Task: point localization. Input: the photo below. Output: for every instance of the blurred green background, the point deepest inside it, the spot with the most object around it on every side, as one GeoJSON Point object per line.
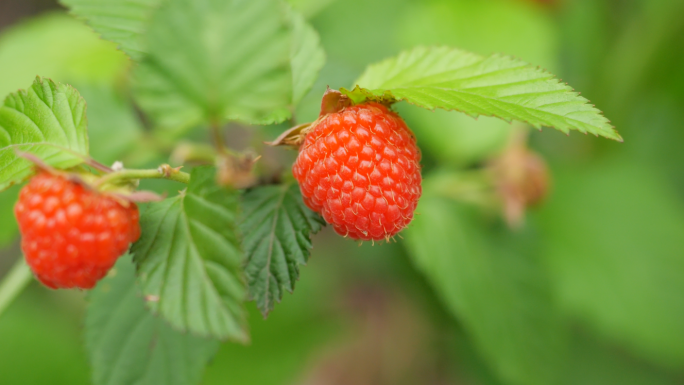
{"type": "Point", "coordinates": [589, 291]}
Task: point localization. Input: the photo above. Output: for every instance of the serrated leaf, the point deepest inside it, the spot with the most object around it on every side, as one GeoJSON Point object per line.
{"type": "Point", "coordinates": [492, 283]}
{"type": "Point", "coordinates": [496, 85]}
{"type": "Point", "coordinates": [212, 61]}
{"type": "Point", "coordinates": [123, 22]}
{"type": "Point", "coordinates": [47, 120]}
{"type": "Point", "coordinates": [128, 345]}
{"type": "Point", "coordinates": [277, 228]}
{"type": "Point", "coordinates": [190, 262]}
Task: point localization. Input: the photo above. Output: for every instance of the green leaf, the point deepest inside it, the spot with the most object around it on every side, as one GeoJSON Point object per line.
{"type": "Point", "coordinates": [189, 259]}
{"type": "Point", "coordinates": [47, 120]}
{"type": "Point", "coordinates": [613, 248]}
{"type": "Point", "coordinates": [490, 281]}
{"type": "Point", "coordinates": [123, 22]}
{"type": "Point", "coordinates": [212, 61]}
{"type": "Point", "coordinates": [306, 57]}
{"type": "Point", "coordinates": [128, 345]}
{"type": "Point", "coordinates": [496, 85]}
{"type": "Point", "coordinates": [277, 226]}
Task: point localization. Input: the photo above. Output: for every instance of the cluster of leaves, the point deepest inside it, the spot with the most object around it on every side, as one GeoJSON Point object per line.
{"type": "Point", "coordinates": [203, 252]}
{"type": "Point", "coordinates": [190, 260]}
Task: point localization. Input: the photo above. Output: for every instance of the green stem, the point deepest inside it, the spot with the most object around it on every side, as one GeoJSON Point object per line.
{"type": "Point", "coordinates": [163, 172]}
{"type": "Point", "coordinates": [14, 282]}
{"type": "Point", "coordinates": [475, 187]}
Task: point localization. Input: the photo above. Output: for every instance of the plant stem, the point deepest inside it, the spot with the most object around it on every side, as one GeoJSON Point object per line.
{"type": "Point", "coordinates": [163, 172]}
{"type": "Point", "coordinates": [13, 283]}
{"type": "Point", "coordinates": [474, 187]}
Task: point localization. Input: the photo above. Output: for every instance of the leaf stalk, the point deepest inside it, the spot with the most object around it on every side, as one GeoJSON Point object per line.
{"type": "Point", "coordinates": [163, 172]}
{"type": "Point", "coordinates": [14, 283]}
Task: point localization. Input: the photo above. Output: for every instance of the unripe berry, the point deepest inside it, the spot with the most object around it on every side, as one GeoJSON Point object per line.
{"type": "Point", "coordinates": [359, 168]}
{"type": "Point", "coordinates": [522, 179]}
{"type": "Point", "coordinates": [71, 235]}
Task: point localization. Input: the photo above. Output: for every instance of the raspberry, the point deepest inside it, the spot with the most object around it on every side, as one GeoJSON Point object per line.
{"type": "Point", "coordinates": [71, 235]}
{"type": "Point", "coordinates": [359, 168]}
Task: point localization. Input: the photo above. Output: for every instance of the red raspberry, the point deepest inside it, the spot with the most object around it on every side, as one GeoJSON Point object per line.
{"type": "Point", "coordinates": [71, 235]}
{"type": "Point", "coordinates": [359, 168]}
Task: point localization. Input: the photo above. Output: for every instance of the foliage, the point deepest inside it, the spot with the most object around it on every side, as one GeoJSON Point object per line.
{"type": "Point", "coordinates": [47, 120]}
{"type": "Point", "coordinates": [120, 22]}
{"type": "Point", "coordinates": [189, 259]}
{"type": "Point", "coordinates": [497, 85]}
{"type": "Point", "coordinates": [128, 345]}
{"type": "Point", "coordinates": [277, 227]}
{"type": "Point", "coordinates": [240, 60]}
{"type": "Point", "coordinates": [584, 292]}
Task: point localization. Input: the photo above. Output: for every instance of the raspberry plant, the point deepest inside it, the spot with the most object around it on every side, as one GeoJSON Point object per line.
{"type": "Point", "coordinates": [236, 231]}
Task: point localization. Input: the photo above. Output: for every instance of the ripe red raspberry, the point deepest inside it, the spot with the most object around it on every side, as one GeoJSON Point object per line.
{"type": "Point", "coordinates": [71, 235]}
{"type": "Point", "coordinates": [359, 168]}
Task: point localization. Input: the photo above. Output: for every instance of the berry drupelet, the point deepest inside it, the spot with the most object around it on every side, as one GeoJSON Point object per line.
{"type": "Point", "coordinates": [72, 235]}
{"type": "Point", "coordinates": [359, 167]}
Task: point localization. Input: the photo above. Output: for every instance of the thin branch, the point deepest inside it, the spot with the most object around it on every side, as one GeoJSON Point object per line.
{"type": "Point", "coordinates": [14, 283]}
{"type": "Point", "coordinates": [163, 172]}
